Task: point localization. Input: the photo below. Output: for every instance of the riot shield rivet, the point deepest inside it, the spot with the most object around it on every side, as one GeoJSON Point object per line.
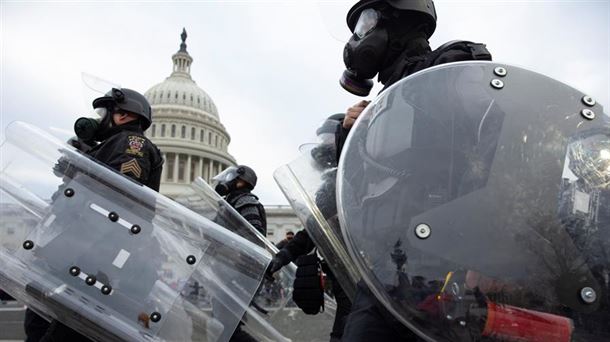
{"type": "Point", "coordinates": [588, 295]}
{"type": "Point", "coordinates": [28, 244]}
{"type": "Point", "coordinates": [191, 259]}
{"type": "Point", "coordinates": [588, 100]}
{"type": "Point", "coordinates": [113, 216]}
{"type": "Point", "coordinates": [588, 114]}
{"type": "Point", "coordinates": [90, 280]}
{"type": "Point", "coordinates": [135, 229]}
{"type": "Point", "coordinates": [106, 290]}
{"type": "Point", "coordinates": [423, 231]}
{"type": "Point", "coordinates": [74, 271]}
{"type": "Point", "coordinates": [69, 192]}
{"type": "Point", "coordinates": [496, 83]}
{"type": "Point", "coordinates": [155, 317]}
{"type": "Point", "coordinates": [500, 71]}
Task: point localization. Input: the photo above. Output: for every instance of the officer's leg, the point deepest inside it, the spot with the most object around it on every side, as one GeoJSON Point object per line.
{"type": "Point", "coordinates": [369, 322]}
{"type": "Point", "coordinates": [241, 336]}
{"type": "Point", "coordinates": [35, 326]}
{"type": "Point", "coordinates": [58, 332]}
{"type": "Point", "coordinates": [344, 306]}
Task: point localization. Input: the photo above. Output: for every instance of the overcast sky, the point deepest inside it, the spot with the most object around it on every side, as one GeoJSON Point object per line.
{"type": "Point", "coordinates": [271, 67]}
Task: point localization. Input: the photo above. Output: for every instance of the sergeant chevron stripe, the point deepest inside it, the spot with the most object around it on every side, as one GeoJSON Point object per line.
{"type": "Point", "coordinates": [132, 166]}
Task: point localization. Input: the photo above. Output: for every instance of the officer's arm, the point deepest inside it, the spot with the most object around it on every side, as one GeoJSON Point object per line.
{"type": "Point", "coordinates": [252, 214]}
{"type": "Point", "coordinates": [301, 244]}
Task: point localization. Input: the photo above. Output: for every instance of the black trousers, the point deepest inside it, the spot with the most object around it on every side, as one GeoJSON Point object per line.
{"type": "Point", "coordinates": [344, 306]}
{"type": "Point", "coordinates": [369, 321]}
{"type": "Point", "coordinates": [38, 329]}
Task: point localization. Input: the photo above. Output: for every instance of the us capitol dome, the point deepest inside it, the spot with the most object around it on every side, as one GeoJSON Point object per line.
{"type": "Point", "coordinates": [186, 128]}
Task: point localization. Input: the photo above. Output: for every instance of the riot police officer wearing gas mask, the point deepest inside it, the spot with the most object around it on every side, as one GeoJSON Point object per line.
{"type": "Point", "coordinates": [390, 40]}
{"type": "Point", "coordinates": [308, 289]}
{"type": "Point", "coordinates": [118, 137]}
{"type": "Point", "coordinates": [235, 184]}
{"type": "Point", "coordinates": [117, 140]}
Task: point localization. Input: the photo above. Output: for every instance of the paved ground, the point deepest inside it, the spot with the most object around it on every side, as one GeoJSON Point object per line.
{"type": "Point", "coordinates": [11, 321]}
{"type": "Point", "coordinates": [289, 322]}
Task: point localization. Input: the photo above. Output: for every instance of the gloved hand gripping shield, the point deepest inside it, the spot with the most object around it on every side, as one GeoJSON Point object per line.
{"type": "Point", "coordinates": [109, 257]}
{"type": "Point", "coordinates": [308, 183]}
{"type": "Point", "coordinates": [267, 318]}
{"type": "Point", "coordinates": [475, 201]}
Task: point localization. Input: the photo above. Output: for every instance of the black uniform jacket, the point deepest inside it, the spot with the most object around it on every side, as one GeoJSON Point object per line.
{"type": "Point", "coordinates": [129, 152]}
{"type": "Point", "coordinates": [248, 206]}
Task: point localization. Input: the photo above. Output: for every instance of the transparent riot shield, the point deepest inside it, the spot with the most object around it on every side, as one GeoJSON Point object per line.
{"type": "Point", "coordinates": [272, 316]}
{"type": "Point", "coordinates": [309, 186]}
{"type": "Point", "coordinates": [475, 199]}
{"type": "Point", "coordinates": [109, 257]}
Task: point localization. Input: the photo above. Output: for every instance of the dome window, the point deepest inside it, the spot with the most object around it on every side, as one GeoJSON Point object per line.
{"type": "Point", "coordinates": [192, 133]}
{"type": "Point", "coordinates": [183, 132]}
{"type": "Point", "coordinates": [173, 131]}
{"type": "Point", "coordinates": [184, 96]}
{"type": "Point", "coordinates": [152, 130]}
{"type": "Point", "coordinates": [201, 136]}
{"type": "Point", "coordinates": [198, 100]}
{"type": "Point", "coordinates": [163, 130]}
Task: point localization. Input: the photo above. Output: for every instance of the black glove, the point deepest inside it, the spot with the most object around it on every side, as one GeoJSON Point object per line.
{"type": "Point", "coordinates": [308, 291]}
{"type": "Point", "coordinates": [281, 259]}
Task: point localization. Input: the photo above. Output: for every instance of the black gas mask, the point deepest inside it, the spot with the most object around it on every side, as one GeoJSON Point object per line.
{"type": "Point", "coordinates": [365, 53]}
{"type": "Point", "coordinates": [94, 129]}
{"type": "Point", "coordinates": [226, 188]}
{"type": "Point", "coordinates": [227, 180]}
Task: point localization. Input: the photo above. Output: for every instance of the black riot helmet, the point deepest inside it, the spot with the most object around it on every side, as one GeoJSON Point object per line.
{"type": "Point", "coordinates": [325, 151]}
{"type": "Point", "coordinates": [423, 9]}
{"type": "Point", "coordinates": [227, 179]}
{"type": "Point", "coordinates": [127, 100]}
{"type": "Point", "coordinates": [382, 30]}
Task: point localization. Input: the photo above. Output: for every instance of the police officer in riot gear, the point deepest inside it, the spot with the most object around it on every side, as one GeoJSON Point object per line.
{"type": "Point", "coordinates": [118, 137]}
{"type": "Point", "coordinates": [235, 184]}
{"type": "Point", "coordinates": [390, 39]}
{"type": "Point", "coordinates": [117, 140]}
{"type": "Point", "coordinates": [308, 290]}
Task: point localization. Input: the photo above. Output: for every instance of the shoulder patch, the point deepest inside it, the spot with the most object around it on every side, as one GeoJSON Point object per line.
{"type": "Point", "coordinates": [136, 143]}
{"type": "Point", "coordinates": [245, 200]}
{"type": "Point", "coordinates": [132, 167]}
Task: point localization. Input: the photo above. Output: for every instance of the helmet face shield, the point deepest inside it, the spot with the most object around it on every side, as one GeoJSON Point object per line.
{"type": "Point", "coordinates": [227, 175]}
{"type": "Point", "coordinates": [100, 112]}
{"type": "Point", "coordinates": [469, 208]}
{"type": "Point", "coordinates": [368, 20]}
